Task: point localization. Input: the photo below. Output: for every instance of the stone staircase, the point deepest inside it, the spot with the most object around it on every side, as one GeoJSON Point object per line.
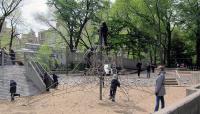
{"type": "Point", "coordinates": [25, 87]}
{"type": "Point", "coordinates": [171, 81]}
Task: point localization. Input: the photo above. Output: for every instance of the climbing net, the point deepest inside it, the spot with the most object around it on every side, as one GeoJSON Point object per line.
{"type": "Point", "coordinates": [90, 82]}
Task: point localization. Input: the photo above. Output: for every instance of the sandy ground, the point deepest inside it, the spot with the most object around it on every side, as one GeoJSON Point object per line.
{"type": "Point", "coordinates": [84, 99]}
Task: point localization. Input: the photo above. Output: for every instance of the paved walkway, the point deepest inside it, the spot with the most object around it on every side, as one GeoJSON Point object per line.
{"type": "Point", "coordinates": [13, 72]}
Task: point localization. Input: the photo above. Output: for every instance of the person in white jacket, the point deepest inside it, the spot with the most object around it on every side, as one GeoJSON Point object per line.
{"type": "Point", "coordinates": [160, 89]}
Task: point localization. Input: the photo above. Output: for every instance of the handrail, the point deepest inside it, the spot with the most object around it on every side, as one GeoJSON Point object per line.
{"type": "Point", "coordinates": [42, 71]}
{"type": "Point", "coordinates": [37, 69]}
{"type": "Point", "coordinates": [38, 81]}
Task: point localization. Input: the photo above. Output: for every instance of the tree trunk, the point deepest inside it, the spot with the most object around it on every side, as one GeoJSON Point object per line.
{"type": "Point", "coordinates": [150, 55]}
{"type": "Point", "coordinates": [71, 46]}
{"type": "Point", "coordinates": [11, 41]}
{"type": "Point", "coordinates": [155, 55]}
{"type": "Point", "coordinates": [1, 23]}
{"type": "Point", "coordinates": [164, 56]}
{"type": "Point", "coordinates": [169, 34]}
{"type": "Point", "coordinates": [11, 36]}
{"type": "Point", "coordinates": [159, 31]}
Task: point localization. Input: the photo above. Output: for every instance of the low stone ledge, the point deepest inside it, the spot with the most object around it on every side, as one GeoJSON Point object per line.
{"type": "Point", "coordinates": [192, 89]}
{"type": "Point", "coordinates": [189, 105]}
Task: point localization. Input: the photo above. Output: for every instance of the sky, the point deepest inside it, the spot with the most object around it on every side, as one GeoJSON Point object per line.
{"type": "Point", "coordinates": [29, 9]}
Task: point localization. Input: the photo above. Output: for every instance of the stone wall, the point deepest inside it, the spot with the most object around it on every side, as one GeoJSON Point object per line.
{"type": "Point", "coordinates": [189, 105]}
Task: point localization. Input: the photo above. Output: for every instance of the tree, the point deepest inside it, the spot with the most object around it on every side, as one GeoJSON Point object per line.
{"type": "Point", "coordinates": [14, 21]}
{"type": "Point", "coordinates": [182, 50]}
{"type": "Point", "coordinates": [190, 14]}
{"type": "Point", "coordinates": [161, 16]}
{"type": "Point", "coordinates": [74, 16]}
{"type": "Point", "coordinates": [44, 56]}
{"type": "Point", "coordinates": [7, 7]}
{"type": "Point", "coordinates": [129, 31]}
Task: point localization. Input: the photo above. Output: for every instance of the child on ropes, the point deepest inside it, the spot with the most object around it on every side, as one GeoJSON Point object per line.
{"type": "Point", "coordinates": [113, 88]}
{"type": "Point", "coordinates": [103, 34]}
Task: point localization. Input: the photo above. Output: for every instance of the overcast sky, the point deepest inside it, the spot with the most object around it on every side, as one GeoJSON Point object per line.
{"type": "Point", "coordinates": [29, 9]}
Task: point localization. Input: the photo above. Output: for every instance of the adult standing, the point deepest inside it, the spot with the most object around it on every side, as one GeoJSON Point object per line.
{"type": "Point", "coordinates": [139, 66]}
{"type": "Point", "coordinates": [148, 70]}
{"type": "Point", "coordinates": [160, 89]}
{"type": "Point", "coordinates": [55, 80]}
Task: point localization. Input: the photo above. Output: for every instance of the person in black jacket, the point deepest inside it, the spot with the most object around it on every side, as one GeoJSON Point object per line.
{"type": "Point", "coordinates": [13, 89]}
{"type": "Point", "coordinates": [148, 70]}
{"type": "Point", "coordinates": [139, 67]}
{"type": "Point", "coordinates": [55, 80]}
{"type": "Point", "coordinates": [46, 81]}
{"type": "Point", "coordinates": [113, 88]}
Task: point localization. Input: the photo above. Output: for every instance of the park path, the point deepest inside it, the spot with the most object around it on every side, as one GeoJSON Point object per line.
{"type": "Point", "coordinates": [14, 72]}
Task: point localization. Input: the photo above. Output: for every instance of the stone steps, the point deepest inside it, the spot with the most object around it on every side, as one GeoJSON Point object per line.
{"type": "Point", "coordinates": [13, 72]}
{"type": "Point", "coordinates": [171, 81]}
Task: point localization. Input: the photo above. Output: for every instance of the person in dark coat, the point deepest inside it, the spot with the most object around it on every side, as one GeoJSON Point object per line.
{"type": "Point", "coordinates": [139, 67]}
{"type": "Point", "coordinates": [12, 56]}
{"type": "Point", "coordinates": [160, 89]}
{"type": "Point", "coordinates": [113, 88]}
{"type": "Point", "coordinates": [148, 70]}
{"type": "Point", "coordinates": [89, 54]}
{"type": "Point", "coordinates": [13, 89]}
{"type": "Point", "coordinates": [103, 34]}
{"type": "Point", "coordinates": [55, 80]}
{"type": "Point", "coordinates": [46, 81]}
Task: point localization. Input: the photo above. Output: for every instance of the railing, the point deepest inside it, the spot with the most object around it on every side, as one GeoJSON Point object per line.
{"type": "Point", "coordinates": [43, 71]}
{"type": "Point", "coordinates": [39, 72]}
{"type": "Point", "coordinates": [34, 76]}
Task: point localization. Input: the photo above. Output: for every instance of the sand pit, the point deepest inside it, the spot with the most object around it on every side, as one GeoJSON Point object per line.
{"type": "Point", "coordinates": [84, 99]}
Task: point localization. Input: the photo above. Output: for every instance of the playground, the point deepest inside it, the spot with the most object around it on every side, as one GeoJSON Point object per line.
{"type": "Point", "coordinates": [80, 95]}
{"type": "Point", "coordinates": [99, 57]}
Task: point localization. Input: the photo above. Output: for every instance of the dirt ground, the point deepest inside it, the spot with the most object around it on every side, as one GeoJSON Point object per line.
{"type": "Point", "coordinates": [84, 99]}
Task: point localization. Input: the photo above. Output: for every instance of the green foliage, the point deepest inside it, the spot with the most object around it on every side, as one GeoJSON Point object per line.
{"type": "Point", "coordinates": [74, 16]}
{"type": "Point", "coordinates": [44, 56]}
{"type": "Point", "coordinates": [158, 29]}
